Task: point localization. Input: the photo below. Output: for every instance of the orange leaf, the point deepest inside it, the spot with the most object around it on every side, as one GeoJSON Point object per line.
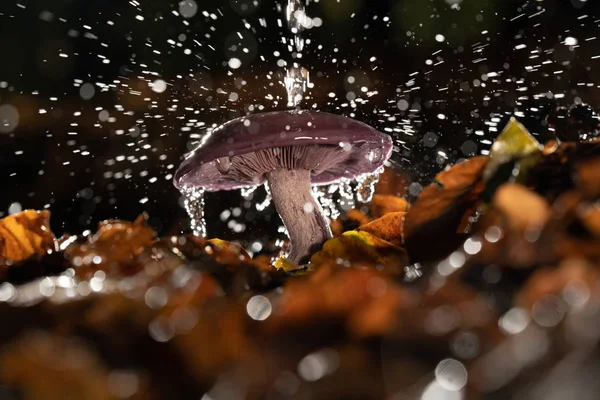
{"type": "Point", "coordinates": [25, 234]}
{"type": "Point", "coordinates": [389, 227]}
{"type": "Point", "coordinates": [384, 204]}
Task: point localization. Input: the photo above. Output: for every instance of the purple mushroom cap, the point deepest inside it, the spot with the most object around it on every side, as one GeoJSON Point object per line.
{"type": "Point", "coordinates": [363, 149]}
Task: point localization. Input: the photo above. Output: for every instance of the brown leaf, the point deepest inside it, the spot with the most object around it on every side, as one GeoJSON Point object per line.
{"type": "Point", "coordinates": [365, 298]}
{"type": "Point", "coordinates": [442, 209]}
{"type": "Point", "coordinates": [228, 262]}
{"type": "Point", "coordinates": [385, 204]}
{"type": "Point", "coordinates": [392, 182]}
{"type": "Point", "coordinates": [26, 234]}
{"type": "Point", "coordinates": [112, 246]}
{"type": "Point", "coordinates": [389, 228]}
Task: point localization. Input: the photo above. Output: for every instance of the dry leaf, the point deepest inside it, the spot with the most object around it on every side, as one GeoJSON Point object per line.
{"type": "Point", "coordinates": [385, 204]}
{"type": "Point", "coordinates": [389, 228]}
{"type": "Point", "coordinates": [112, 246]}
{"type": "Point", "coordinates": [365, 298]}
{"type": "Point", "coordinates": [361, 248]}
{"type": "Point", "coordinates": [442, 209]}
{"type": "Point", "coordinates": [25, 234]}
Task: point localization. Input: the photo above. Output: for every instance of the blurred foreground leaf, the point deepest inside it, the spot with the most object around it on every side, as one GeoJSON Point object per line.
{"type": "Point", "coordinates": [25, 234]}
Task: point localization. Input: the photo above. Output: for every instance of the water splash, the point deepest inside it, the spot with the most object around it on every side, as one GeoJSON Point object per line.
{"type": "Point", "coordinates": [194, 205]}
{"type": "Point", "coordinates": [325, 197]}
{"type": "Point", "coordinates": [366, 186]}
{"type": "Point", "coordinates": [346, 192]}
{"type": "Point", "coordinates": [266, 202]}
{"type": "Point", "coordinates": [248, 192]}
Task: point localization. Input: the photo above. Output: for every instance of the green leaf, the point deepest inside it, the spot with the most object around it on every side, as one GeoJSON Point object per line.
{"type": "Point", "coordinates": [515, 142]}
{"type": "Point", "coordinates": [514, 152]}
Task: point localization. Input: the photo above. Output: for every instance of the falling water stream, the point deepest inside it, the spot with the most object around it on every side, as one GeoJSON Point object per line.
{"type": "Point", "coordinates": [297, 78]}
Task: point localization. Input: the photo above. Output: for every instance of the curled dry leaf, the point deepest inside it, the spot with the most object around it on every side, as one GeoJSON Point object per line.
{"type": "Point", "coordinates": [361, 248]}
{"type": "Point", "coordinates": [443, 210]}
{"type": "Point", "coordinates": [26, 234]}
{"type": "Point", "coordinates": [384, 204]}
{"type": "Point", "coordinates": [112, 246]}
{"type": "Point", "coordinates": [229, 252]}
{"type": "Point", "coordinates": [389, 227]}
{"type": "Point", "coordinates": [228, 262]}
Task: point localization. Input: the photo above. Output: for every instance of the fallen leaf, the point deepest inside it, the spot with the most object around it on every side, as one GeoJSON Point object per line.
{"type": "Point", "coordinates": [227, 262]}
{"type": "Point", "coordinates": [514, 142]}
{"type": "Point", "coordinates": [392, 182]}
{"type": "Point", "coordinates": [361, 247]}
{"type": "Point", "coordinates": [26, 234]}
{"type": "Point", "coordinates": [364, 298]}
{"type": "Point", "coordinates": [112, 246]}
{"type": "Point", "coordinates": [442, 209]}
{"type": "Point", "coordinates": [384, 204]}
{"type": "Point", "coordinates": [389, 227]}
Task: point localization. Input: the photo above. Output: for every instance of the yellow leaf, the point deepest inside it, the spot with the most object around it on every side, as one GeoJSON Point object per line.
{"type": "Point", "coordinates": [25, 234]}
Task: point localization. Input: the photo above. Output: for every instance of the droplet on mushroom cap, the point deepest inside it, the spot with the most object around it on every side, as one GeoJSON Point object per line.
{"type": "Point", "coordinates": [333, 147]}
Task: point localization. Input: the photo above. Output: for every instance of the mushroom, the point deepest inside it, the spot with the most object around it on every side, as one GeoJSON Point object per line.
{"type": "Point", "coordinates": [290, 150]}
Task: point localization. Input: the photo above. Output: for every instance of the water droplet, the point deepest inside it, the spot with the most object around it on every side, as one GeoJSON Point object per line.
{"type": "Point", "coordinates": [87, 91]}
{"type": "Point", "coordinates": [9, 118]}
{"type": "Point", "coordinates": [259, 308]}
{"type": "Point", "coordinates": [188, 8]}
{"type": "Point", "coordinates": [15, 208]}
{"type": "Point", "coordinates": [159, 86]}
{"type": "Point", "coordinates": [235, 63]}
{"type": "Point", "coordinates": [451, 374]}
{"type": "Point", "coordinates": [194, 205]}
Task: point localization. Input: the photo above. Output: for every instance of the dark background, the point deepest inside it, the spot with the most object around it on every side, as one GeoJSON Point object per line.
{"type": "Point", "coordinates": [85, 168]}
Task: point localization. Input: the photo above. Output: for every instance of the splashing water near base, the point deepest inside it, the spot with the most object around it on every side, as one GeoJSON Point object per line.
{"type": "Point", "coordinates": [266, 202]}
{"type": "Point", "coordinates": [366, 186]}
{"type": "Point", "coordinates": [339, 197]}
{"type": "Point", "coordinates": [325, 197]}
{"type": "Point", "coordinates": [194, 205]}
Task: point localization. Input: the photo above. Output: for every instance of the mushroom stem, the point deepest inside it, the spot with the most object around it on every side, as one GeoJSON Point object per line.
{"type": "Point", "coordinates": [300, 212]}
